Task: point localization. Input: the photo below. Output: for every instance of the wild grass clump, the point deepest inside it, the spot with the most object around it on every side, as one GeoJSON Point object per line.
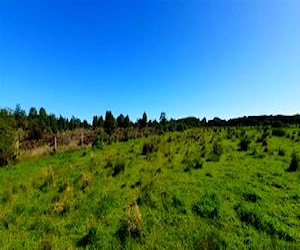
{"type": "Point", "coordinates": [86, 180]}
{"type": "Point", "coordinates": [251, 197]}
{"type": "Point", "coordinates": [252, 216]}
{"type": "Point", "coordinates": [210, 241]}
{"type": "Point", "coordinates": [244, 144]}
{"type": "Point", "coordinates": [208, 206]}
{"type": "Point", "coordinates": [278, 132]}
{"type": "Point", "coordinates": [44, 180]}
{"type": "Point", "coordinates": [217, 151]}
{"type": "Point", "coordinates": [148, 148]}
{"type": "Point", "coordinates": [281, 152]}
{"type": "Point", "coordinates": [89, 239]}
{"type": "Point", "coordinates": [294, 165]}
{"type": "Point", "coordinates": [194, 163]}
{"type": "Point", "coordinates": [119, 166]}
{"type": "Point", "coordinates": [131, 224]}
{"type": "Point", "coordinates": [98, 143]}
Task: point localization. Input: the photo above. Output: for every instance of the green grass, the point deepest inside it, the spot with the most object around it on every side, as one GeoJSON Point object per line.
{"type": "Point", "coordinates": [192, 190]}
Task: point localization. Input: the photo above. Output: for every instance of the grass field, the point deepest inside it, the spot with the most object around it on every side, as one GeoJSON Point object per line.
{"type": "Point", "coordinates": [208, 188]}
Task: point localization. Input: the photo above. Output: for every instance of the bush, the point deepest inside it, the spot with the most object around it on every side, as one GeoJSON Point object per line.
{"type": "Point", "coordinates": [7, 148]}
{"type": "Point", "coordinates": [294, 165]}
{"type": "Point", "coordinates": [131, 224]}
{"type": "Point", "coordinates": [98, 142]}
{"type": "Point", "coordinates": [216, 152]}
{"type": "Point", "coordinates": [281, 152]}
{"type": "Point", "coordinates": [208, 206]}
{"type": "Point", "coordinates": [192, 164]}
{"type": "Point", "coordinates": [278, 132]}
{"type": "Point", "coordinates": [148, 148]}
{"type": "Point", "coordinates": [118, 167]}
{"type": "Point", "coordinates": [244, 144]}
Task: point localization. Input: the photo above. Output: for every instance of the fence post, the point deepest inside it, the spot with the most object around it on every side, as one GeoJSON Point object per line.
{"type": "Point", "coordinates": [55, 144]}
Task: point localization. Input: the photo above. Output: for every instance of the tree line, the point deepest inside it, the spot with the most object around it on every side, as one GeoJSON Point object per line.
{"type": "Point", "coordinates": [16, 125]}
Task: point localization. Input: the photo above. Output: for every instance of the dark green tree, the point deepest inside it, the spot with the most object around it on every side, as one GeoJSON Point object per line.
{"type": "Point", "coordinates": [143, 122]}
{"type": "Point", "coordinates": [20, 117]}
{"type": "Point", "coordinates": [126, 121]}
{"type": "Point", "coordinates": [109, 123]}
{"type": "Point", "coordinates": [53, 123]}
{"type": "Point", "coordinates": [43, 119]}
{"type": "Point", "coordinates": [121, 121]}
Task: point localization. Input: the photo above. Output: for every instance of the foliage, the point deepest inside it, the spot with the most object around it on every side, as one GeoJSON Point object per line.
{"type": "Point", "coordinates": [278, 132]}
{"type": "Point", "coordinates": [294, 165]}
{"type": "Point", "coordinates": [208, 206]}
{"type": "Point", "coordinates": [7, 146]}
{"type": "Point", "coordinates": [244, 144]}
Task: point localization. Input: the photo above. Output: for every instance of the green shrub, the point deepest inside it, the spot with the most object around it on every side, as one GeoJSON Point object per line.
{"type": "Point", "coordinates": [251, 196]}
{"type": "Point", "coordinates": [244, 144]}
{"type": "Point", "coordinates": [281, 152]}
{"type": "Point", "coordinates": [192, 164]}
{"type": "Point", "coordinates": [98, 142]}
{"type": "Point", "coordinates": [278, 132]}
{"type": "Point", "coordinates": [294, 165]}
{"type": "Point", "coordinates": [148, 148]}
{"type": "Point", "coordinates": [89, 239]}
{"type": "Point", "coordinates": [208, 206]}
{"type": "Point", "coordinates": [216, 152]}
{"type": "Point", "coordinates": [119, 167]}
{"type": "Point", "coordinates": [7, 146]}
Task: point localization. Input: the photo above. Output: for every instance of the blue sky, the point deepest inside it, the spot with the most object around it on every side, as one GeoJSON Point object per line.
{"type": "Point", "coordinates": [202, 58]}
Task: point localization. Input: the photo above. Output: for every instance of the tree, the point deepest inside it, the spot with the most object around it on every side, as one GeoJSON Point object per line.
{"type": "Point", "coordinates": [20, 117]}
{"type": "Point", "coordinates": [43, 118]}
{"type": "Point", "coordinates": [162, 118]}
{"type": "Point", "coordinates": [33, 114]}
{"type": "Point", "coordinates": [53, 123]}
{"type": "Point", "coordinates": [121, 121]}
{"type": "Point", "coordinates": [95, 121]}
{"type": "Point", "coordinates": [62, 123]}
{"type": "Point", "coordinates": [101, 122]}
{"type": "Point", "coordinates": [126, 122]}
{"type": "Point", "coordinates": [109, 123]}
{"type": "Point", "coordinates": [144, 120]}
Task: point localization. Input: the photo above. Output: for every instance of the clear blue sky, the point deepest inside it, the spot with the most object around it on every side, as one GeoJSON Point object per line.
{"type": "Point", "coordinates": [203, 58]}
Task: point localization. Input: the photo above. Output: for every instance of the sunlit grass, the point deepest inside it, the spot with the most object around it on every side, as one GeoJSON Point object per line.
{"type": "Point", "coordinates": [191, 190]}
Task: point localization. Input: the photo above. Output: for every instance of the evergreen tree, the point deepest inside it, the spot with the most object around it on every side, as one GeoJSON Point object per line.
{"type": "Point", "coordinates": [109, 123]}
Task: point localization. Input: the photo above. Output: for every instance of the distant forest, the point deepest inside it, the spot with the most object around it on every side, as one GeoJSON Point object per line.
{"type": "Point", "coordinates": [26, 131]}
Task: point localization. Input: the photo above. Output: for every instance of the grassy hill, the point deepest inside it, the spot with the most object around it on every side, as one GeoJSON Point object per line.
{"type": "Point", "coordinates": [208, 188]}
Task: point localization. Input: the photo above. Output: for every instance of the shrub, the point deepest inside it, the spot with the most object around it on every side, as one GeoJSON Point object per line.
{"type": "Point", "coordinates": [278, 132]}
{"type": "Point", "coordinates": [251, 196]}
{"type": "Point", "coordinates": [281, 152]}
{"type": "Point", "coordinates": [244, 144]}
{"type": "Point", "coordinates": [130, 225]}
{"type": "Point", "coordinates": [89, 239]}
{"type": "Point", "coordinates": [119, 167]}
{"type": "Point", "coordinates": [216, 152]}
{"type": "Point", "coordinates": [192, 164]}
{"type": "Point", "coordinates": [294, 165]}
{"type": "Point", "coordinates": [208, 206]}
{"type": "Point", "coordinates": [7, 149]}
{"type": "Point", "coordinates": [217, 148]}
{"type": "Point", "coordinates": [148, 148]}
{"type": "Point", "coordinates": [98, 142]}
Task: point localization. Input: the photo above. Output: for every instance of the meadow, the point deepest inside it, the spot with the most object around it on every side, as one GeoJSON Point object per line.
{"type": "Point", "coordinates": [205, 188]}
